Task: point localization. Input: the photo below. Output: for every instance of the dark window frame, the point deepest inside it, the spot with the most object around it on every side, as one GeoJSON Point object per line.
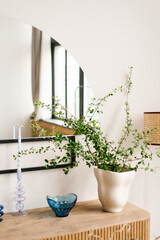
{"type": "Point", "coordinates": [81, 82]}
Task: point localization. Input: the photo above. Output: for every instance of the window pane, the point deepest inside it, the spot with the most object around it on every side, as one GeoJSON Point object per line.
{"type": "Point", "coordinates": [88, 94]}
{"type": "Point", "coordinates": [72, 86]}
{"type": "Point", "coordinates": [59, 73]}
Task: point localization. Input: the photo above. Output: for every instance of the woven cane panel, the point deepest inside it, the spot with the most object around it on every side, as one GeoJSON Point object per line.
{"type": "Point", "coordinates": [133, 231]}
{"type": "Point", "coordinates": [152, 121]}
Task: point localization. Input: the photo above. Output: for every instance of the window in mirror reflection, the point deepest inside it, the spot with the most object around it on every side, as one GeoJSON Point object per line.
{"type": "Point", "coordinates": [69, 82]}
{"type": "Point", "coordinates": [69, 85]}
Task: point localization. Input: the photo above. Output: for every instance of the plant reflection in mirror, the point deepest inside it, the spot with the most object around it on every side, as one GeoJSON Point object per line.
{"type": "Point", "coordinates": [96, 149]}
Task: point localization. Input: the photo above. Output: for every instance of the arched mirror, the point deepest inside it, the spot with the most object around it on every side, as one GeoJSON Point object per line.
{"type": "Point", "coordinates": [33, 66]}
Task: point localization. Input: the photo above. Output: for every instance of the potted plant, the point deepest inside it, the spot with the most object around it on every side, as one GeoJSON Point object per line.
{"type": "Point", "coordinates": [114, 163]}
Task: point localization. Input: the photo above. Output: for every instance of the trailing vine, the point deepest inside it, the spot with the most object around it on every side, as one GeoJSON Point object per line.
{"type": "Point", "coordinates": [95, 148]}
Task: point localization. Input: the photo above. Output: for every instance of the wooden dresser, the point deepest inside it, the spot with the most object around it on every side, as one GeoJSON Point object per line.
{"type": "Point", "coordinates": [86, 221]}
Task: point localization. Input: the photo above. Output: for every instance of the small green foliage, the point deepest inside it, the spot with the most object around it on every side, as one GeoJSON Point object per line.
{"type": "Point", "coordinates": [95, 148]}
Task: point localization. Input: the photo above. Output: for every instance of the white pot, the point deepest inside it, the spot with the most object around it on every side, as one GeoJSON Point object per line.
{"type": "Point", "coordinates": [113, 188]}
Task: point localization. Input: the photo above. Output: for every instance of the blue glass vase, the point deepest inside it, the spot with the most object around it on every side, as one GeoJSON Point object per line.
{"type": "Point", "coordinates": [62, 205]}
{"type": "Point", "coordinates": [1, 213]}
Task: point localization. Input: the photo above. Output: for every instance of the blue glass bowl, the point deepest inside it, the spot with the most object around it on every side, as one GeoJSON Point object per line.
{"type": "Point", "coordinates": [62, 205]}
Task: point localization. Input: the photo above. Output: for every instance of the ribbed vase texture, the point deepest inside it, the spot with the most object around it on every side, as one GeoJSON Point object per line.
{"type": "Point", "coordinates": [113, 188]}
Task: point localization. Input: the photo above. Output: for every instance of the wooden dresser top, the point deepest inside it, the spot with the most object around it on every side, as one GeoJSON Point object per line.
{"type": "Point", "coordinates": [42, 222]}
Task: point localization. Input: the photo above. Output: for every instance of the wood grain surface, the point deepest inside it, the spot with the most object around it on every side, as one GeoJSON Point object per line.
{"type": "Point", "coordinates": [85, 220]}
{"type": "Point", "coordinates": [53, 128]}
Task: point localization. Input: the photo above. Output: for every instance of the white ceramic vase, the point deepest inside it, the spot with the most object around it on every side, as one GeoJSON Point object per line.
{"type": "Point", "coordinates": [113, 188]}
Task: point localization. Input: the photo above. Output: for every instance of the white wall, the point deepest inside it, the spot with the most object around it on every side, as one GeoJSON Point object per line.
{"type": "Point", "coordinates": [105, 37]}
{"type": "Point", "coordinates": [15, 76]}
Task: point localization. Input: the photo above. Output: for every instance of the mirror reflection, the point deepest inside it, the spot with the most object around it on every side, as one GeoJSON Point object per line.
{"type": "Point", "coordinates": [33, 66]}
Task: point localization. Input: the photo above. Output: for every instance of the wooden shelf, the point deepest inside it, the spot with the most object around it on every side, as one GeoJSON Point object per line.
{"type": "Point", "coordinates": [53, 128]}
{"type": "Point", "coordinates": [85, 218]}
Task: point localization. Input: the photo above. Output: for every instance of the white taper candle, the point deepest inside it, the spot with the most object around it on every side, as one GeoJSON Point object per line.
{"type": "Point", "coordinates": [19, 155]}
